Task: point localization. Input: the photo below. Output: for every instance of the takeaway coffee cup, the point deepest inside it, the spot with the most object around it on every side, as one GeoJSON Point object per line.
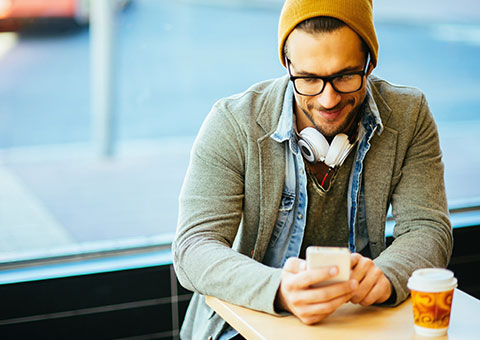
{"type": "Point", "coordinates": [432, 294]}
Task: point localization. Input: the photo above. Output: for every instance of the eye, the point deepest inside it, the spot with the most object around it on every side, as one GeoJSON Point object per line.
{"type": "Point", "coordinates": [311, 80]}
{"type": "Point", "coordinates": [346, 78]}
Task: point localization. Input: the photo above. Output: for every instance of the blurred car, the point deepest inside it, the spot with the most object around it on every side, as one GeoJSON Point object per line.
{"type": "Point", "coordinates": [16, 15]}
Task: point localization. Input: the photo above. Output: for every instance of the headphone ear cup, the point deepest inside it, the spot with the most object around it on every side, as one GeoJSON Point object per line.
{"type": "Point", "coordinates": [313, 145]}
{"type": "Point", "coordinates": [337, 149]}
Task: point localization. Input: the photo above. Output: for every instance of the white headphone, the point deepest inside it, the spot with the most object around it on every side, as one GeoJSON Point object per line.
{"type": "Point", "coordinates": [315, 148]}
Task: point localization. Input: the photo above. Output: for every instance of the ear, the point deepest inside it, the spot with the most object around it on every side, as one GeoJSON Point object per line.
{"type": "Point", "coordinates": [370, 68]}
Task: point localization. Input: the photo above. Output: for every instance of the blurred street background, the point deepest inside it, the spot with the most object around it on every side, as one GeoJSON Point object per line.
{"type": "Point", "coordinates": [173, 60]}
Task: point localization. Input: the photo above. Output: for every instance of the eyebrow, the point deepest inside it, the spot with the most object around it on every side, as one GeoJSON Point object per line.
{"type": "Point", "coordinates": [342, 71]}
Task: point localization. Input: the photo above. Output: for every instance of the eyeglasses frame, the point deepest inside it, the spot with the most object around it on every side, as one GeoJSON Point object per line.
{"type": "Point", "coordinates": [327, 79]}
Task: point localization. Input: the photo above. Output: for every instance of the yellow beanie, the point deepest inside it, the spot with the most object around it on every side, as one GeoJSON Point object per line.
{"type": "Point", "coordinates": [357, 14]}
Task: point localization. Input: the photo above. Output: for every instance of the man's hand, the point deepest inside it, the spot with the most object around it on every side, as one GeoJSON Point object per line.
{"type": "Point", "coordinates": [373, 287]}
{"type": "Point", "coordinates": [309, 304]}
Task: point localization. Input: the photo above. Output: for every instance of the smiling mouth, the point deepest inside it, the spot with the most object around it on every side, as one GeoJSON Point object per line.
{"type": "Point", "coordinates": [330, 115]}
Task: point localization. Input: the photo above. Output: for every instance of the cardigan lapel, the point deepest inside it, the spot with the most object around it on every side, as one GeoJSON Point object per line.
{"type": "Point", "coordinates": [271, 162]}
{"type": "Point", "coordinates": [378, 171]}
{"type": "Point", "coordinates": [272, 178]}
{"type": "Point", "coordinates": [379, 160]}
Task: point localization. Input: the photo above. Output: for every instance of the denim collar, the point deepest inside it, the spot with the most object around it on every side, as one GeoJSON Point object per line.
{"type": "Point", "coordinates": [285, 132]}
{"type": "Point", "coordinates": [285, 128]}
{"type": "Point", "coordinates": [371, 117]}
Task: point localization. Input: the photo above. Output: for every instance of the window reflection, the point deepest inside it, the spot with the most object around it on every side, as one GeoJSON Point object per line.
{"type": "Point", "coordinates": [173, 60]}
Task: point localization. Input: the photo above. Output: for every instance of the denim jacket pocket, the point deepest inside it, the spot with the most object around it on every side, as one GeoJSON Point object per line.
{"type": "Point", "coordinates": [286, 206]}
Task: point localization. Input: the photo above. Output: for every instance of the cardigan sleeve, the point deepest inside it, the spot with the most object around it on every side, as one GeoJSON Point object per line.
{"type": "Point", "coordinates": [210, 213]}
{"type": "Point", "coordinates": [422, 233]}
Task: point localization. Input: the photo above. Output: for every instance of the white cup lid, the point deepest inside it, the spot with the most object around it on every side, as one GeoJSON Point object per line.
{"type": "Point", "coordinates": [432, 280]}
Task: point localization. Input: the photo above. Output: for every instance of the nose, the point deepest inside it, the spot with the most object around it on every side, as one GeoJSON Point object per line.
{"type": "Point", "coordinates": [329, 98]}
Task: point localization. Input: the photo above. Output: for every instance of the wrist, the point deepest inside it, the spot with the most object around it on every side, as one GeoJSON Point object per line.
{"type": "Point", "coordinates": [280, 304]}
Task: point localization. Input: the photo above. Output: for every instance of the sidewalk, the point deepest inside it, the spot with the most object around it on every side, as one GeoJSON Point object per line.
{"type": "Point", "coordinates": [56, 200]}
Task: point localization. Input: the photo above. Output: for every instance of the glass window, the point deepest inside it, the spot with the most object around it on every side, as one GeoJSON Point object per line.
{"type": "Point", "coordinates": [440, 59]}
{"type": "Point", "coordinates": [171, 61]}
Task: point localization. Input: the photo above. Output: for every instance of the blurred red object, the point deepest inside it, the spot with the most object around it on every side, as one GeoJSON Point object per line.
{"type": "Point", "coordinates": [18, 14]}
{"type": "Point", "coordinates": [37, 8]}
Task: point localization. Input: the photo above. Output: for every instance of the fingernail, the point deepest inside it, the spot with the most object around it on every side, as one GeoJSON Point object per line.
{"type": "Point", "coordinates": [333, 271]}
{"type": "Point", "coordinates": [353, 284]}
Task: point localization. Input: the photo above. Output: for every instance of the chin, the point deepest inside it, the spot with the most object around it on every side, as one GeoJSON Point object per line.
{"type": "Point", "coordinates": [331, 130]}
{"type": "Point", "coordinates": [328, 133]}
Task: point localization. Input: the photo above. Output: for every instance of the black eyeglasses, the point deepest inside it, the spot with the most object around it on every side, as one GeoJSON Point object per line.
{"type": "Point", "coordinates": [342, 83]}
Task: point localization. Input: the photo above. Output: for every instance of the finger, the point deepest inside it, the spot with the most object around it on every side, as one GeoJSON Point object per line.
{"type": "Point", "coordinates": [325, 294]}
{"type": "Point", "coordinates": [354, 259]}
{"type": "Point", "coordinates": [364, 288]}
{"type": "Point", "coordinates": [362, 268]}
{"type": "Point", "coordinates": [311, 277]}
{"type": "Point", "coordinates": [372, 297]}
{"type": "Point", "coordinates": [314, 313]}
{"type": "Point", "coordinates": [366, 285]}
{"type": "Point", "coordinates": [294, 265]}
{"type": "Point", "coordinates": [380, 292]}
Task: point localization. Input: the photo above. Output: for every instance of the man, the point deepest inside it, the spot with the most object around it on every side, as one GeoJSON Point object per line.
{"type": "Point", "coordinates": [261, 187]}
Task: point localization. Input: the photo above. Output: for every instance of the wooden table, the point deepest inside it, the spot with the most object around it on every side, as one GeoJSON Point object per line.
{"type": "Point", "coordinates": [350, 322]}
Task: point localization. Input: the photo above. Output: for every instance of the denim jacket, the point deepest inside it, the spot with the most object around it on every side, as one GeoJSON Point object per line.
{"type": "Point", "coordinates": [287, 236]}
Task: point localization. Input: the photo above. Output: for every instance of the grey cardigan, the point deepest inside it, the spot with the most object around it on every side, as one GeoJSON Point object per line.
{"type": "Point", "coordinates": [233, 186]}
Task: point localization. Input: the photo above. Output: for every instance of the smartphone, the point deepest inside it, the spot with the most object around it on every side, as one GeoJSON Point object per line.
{"type": "Point", "coordinates": [318, 257]}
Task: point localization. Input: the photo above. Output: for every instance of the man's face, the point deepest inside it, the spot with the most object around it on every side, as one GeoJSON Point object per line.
{"type": "Point", "coordinates": [326, 54]}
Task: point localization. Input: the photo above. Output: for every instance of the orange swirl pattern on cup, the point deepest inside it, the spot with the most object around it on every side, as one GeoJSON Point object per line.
{"type": "Point", "coordinates": [432, 310]}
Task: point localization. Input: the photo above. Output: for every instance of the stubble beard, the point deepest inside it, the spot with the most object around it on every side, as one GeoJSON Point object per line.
{"type": "Point", "coordinates": [330, 133]}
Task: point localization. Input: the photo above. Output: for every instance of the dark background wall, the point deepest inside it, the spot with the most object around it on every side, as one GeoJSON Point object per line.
{"type": "Point", "coordinates": [145, 303]}
{"type": "Point", "coordinates": [141, 303]}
